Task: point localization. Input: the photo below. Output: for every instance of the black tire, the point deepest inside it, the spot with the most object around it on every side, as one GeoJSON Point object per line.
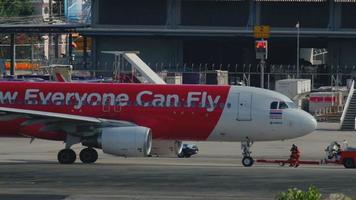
{"type": "Point", "coordinates": [88, 155]}
{"type": "Point", "coordinates": [180, 155]}
{"type": "Point", "coordinates": [66, 156]}
{"type": "Point", "coordinates": [348, 163]}
{"type": "Point", "coordinates": [247, 161]}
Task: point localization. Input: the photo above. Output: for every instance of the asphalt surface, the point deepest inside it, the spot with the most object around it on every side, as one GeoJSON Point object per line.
{"type": "Point", "coordinates": [31, 172]}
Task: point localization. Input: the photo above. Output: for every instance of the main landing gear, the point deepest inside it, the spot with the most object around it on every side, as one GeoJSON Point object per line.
{"type": "Point", "coordinates": [247, 160]}
{"type": "Point", "coordinates": [88, 155]}
{"type": "Point", "coordinates": [68, 156]}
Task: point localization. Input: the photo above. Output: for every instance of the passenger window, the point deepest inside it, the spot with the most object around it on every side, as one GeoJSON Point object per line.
{"type": "Point", "coordinates": [274, 105]}
{"type": "Point", "coordinates": [283, 105]}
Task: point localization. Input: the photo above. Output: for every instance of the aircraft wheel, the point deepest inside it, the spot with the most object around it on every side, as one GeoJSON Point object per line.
{"type": "Point", "coordinates": [247, 161]}
{"type": "Point", "coordinates": [88, 155]}
{"type": "Point", "coordinates": [66, 156]}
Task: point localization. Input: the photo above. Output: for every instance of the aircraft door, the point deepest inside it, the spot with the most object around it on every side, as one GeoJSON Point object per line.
{"type": "Point", "coordinates": [244, 107]}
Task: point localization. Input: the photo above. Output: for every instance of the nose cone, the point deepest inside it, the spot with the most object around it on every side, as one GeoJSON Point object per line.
{"type": "Point", "coordinates": [301, 123]}
{"type": "Point", "coordinates": [309, 123]}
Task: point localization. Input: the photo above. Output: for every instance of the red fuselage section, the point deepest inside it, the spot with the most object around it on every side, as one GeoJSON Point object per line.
{"type": "Point", "coordinates": [184, 112]}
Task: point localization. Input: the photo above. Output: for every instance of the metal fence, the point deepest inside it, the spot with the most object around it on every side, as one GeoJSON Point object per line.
{"type": "Point", "coordinates": [249, 74]}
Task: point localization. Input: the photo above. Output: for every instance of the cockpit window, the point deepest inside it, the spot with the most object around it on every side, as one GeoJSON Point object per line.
{"type": "Point", "coordinates": [291, 105]}
{"type": "Point", "coordinates": [283, 105]}
{"type": "Point", "coordinates": [274, 105]}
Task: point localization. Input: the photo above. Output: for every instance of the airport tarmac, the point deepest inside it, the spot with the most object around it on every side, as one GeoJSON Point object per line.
{"type": "Point", "coordinates": [30, 171]}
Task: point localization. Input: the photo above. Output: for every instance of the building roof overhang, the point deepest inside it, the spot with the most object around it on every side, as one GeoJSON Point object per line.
{"type": "Point", "coordinates": [212, 31]}
{"type": "Point", "coordinates": [41, 28]}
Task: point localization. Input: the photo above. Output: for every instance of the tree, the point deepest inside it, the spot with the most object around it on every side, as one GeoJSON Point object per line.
{"type": "Point", "coordinates": [12, 8]}
{"type": "Point", "coordinates": [295, 194]}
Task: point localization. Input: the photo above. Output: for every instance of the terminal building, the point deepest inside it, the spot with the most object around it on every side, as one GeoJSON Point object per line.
{"type": "Point", "coordinates": [220, 32]}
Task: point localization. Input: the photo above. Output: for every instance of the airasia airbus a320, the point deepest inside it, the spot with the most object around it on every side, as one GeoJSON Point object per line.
{"type": "Point", "coordinates": [146, 119]}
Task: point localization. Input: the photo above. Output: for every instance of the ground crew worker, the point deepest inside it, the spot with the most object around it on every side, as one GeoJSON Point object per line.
{"type": "Point", "coordinates": [294, 157]}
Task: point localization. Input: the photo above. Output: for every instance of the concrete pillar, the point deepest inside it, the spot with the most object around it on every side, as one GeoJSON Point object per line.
{"type": "Point", "coordinates": [70, 48]}
{"type": "Point", "coordinates": [85, 52]}
{"type": "Point", "coordinates": [32, 48]}
{"type": "Point", "coordinates": [13, 54]}
{"type": "Point", "coordinates": [56, 46]}
{"type": "Point", "coordinates": [50, 5]}
{"type": "Point", "coordinates": [95, 12]}
{"type": "Point", "coordinates": [94, 55]}
{"type": "Point", "coordinates": [173, 13]}
{"type": "Point", "coordinates": [334, 15]}
{"type": "Point", "coordinates": [337, 15]}
{"type": "Point", "coordinates": [252, 14]}
{"type": "Point", "coordinates": [258, 13]}
{"type": "Point", "coordinates": [66, 7]}
{"type": "Point", "coordinates": [331, 15]}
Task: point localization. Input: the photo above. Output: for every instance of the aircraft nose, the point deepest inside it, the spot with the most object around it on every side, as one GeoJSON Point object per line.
{"type": "Point", "coordinates": [309, 123]}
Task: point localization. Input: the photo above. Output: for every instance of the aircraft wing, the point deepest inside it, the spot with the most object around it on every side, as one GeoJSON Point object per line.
{"type": "Point", "coordinates": [34, 113]}
{"type": "Point", "coordinates": [52, 121]}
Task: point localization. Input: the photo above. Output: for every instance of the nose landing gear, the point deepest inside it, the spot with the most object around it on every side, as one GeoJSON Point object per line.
{"type": "Point", "coordinates": [247, 160]}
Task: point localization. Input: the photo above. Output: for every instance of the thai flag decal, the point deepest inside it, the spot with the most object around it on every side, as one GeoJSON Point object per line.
{"type": "Point", "coordinates": [275, 114]}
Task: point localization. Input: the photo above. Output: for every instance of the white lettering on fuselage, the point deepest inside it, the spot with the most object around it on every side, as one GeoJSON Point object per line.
{"type": "Point", "coordinates": [7, 97]}
{"type": "Point", "coordinates": [144, 98]}
{"type": "Point", "coordinates": [31, 95]}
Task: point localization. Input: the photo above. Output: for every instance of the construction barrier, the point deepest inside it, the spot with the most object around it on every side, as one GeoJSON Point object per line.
{"type": "Point", "coordinates": [22, 66]}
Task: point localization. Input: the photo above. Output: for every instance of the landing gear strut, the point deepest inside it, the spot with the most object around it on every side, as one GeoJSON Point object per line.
{"type": "Point", "coordinates": [67, 155]}
{"type": "Point", "coordinates": [247, 160]}
{"type": "Point", "coordinates": [88, 155]}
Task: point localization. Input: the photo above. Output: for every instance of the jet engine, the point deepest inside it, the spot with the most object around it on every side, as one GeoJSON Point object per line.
{"type": "Point", "coordinates": [133, 141]}
{"type": "Point", "coordinates": [166, 147]}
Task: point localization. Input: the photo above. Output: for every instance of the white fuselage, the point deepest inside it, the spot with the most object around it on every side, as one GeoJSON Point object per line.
{"type": "Point", "coordinates": [248, 114]}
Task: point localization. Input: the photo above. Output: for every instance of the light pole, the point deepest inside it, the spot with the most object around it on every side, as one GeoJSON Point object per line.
{"type": "Point", "coordinates": [298, 32]}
